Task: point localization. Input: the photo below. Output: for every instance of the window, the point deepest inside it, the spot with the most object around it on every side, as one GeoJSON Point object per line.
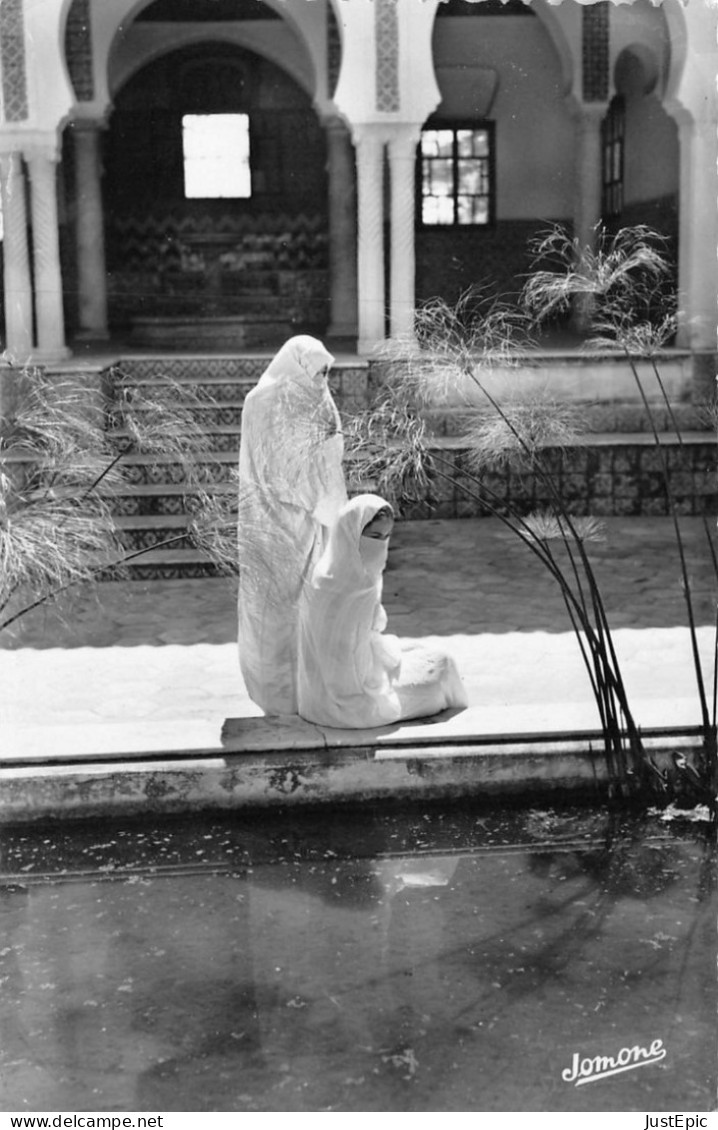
{"type": "Point", "coordinates": [612, 135]}
{"type": "Point", "coordinates": [456, 175]}
{"type": "Point", "coordinates": [216, 155]}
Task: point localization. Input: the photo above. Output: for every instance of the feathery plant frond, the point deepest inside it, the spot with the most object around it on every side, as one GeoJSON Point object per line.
{"type": "Point", "coordinates": [212, 524]}
{"type": "Point", "coordinates": [385, 448]}
{"type": "Point", "coordinates": [616, 329]}
{"type": "Point", "coordinates": [455, 359]}
{"type": "Point", "coordinates": [626, 274]}
{"type": "Point", "coordinates": [518, 433]}
{"type": "Point", "coordinates": [163, 425]}
{"type": "Point", "coordinates": [453, 343]}
{"type": "Point", "coordinates": [54, 544]}
{"type": "Point", "coordinates": [546, 525]}
{"type": "Point", "coordinates": [60, 467]}
{"type": "Point", "coordinates": [51, 417]}
{"type": "Point", "coordinates": [52, 534]}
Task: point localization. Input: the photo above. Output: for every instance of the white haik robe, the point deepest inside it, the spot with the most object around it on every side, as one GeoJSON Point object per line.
{"type": "Point", "coordinates": [351, 675]}
{"type": "Point", "coordinates": [291, 487]}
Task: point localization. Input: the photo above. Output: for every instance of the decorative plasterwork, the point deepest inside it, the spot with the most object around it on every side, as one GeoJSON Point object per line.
{"type": "Point", "coordinates": [78, 50]}
{"type": "Point", "coordinates": [386, 30]}
{"type": "Point", "coordinates": [595, 51]}
{"type": "Point", "coordinates": [12, 61]}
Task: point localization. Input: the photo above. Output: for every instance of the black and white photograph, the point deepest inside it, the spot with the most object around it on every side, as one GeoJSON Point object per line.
{"type": "Point", "coordinates": [358, 561]}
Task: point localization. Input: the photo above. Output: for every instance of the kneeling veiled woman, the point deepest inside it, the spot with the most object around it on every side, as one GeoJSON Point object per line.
{"type": "Point", "coordinates": [351, 674]}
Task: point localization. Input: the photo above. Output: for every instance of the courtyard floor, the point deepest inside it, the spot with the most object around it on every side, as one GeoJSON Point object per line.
{"type": "Point", "coordinates": [139, 667]}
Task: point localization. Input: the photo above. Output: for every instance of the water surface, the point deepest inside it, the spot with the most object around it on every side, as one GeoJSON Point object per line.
{"type": "Point", "coordinates": [437, 960]}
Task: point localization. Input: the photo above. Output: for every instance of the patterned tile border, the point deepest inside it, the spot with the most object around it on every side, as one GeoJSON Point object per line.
{"type": "Point", "coordinates": [595, 51]}
{"type": "Point", "coordinates": [12, 61]}
{"type": "Point", "coordinates": [386, 31]}
{"type": "Point", "coordinates": [78, 50]}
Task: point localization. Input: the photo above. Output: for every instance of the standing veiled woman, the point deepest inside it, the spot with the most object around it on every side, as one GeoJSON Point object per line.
{"type": "Point", "coordinates": [291, 487]}
{"type": "Point", "coordinates": [351, 674]}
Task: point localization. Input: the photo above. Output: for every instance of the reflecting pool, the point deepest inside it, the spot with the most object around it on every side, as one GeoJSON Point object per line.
{"type": "Point", "coordinates": [436, 960]}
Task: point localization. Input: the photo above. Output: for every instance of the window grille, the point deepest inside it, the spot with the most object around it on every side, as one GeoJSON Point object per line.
{"type": "Point", "coordinates": [456, 175]}
{"type": "Point", "coordinates": [613, 142]}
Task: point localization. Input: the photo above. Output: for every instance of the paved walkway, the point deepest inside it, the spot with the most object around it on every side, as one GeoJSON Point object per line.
{"type": "Point", "coordinates": [152, 666]}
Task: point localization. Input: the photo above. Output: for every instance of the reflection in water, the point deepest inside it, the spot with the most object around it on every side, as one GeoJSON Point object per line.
{"type": "Point", "coordinates": [223, 968]}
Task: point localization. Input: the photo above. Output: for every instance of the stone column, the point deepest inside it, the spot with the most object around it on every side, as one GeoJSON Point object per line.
{"type": "Point", "coordinates": [698, 233]}
{"type": "Point", "coordinates": [50, 325]}
{"type": "Point", "coordinates": [588, 191]}
{"type": "Point", "coordinates": [370, 263]}
{"type": "Point", "coordinates": [91, 272]}
{"type": "Point", "coordinates": [342, 232]}
{"type": "Point", "coordinates": [402, 161]}
{"type": "Point", "coordinates": [17, 282]}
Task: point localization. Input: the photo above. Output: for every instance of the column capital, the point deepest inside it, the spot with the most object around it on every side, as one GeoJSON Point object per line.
{"type": "Point", "coordinates": [586, 113]}
{"type": "Point", "coordinates": [367, 134]}
{"type": "Point", "coordinates": [393, 134]}
{"type": "Point", "coordinates": [29, 142]}
{"type": "Point", "coordinates": [88, 124]}
{"type": "Point", "coordinates": [36, 155]}
{"type": "Point", "coordinates": [404, 139]}
{"type": "Point", "coordinates": [705, 115]}
{"type": "Point", "coordinates": [334, 123]}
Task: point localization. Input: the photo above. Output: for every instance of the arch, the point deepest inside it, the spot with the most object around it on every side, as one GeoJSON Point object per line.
{"type": "Point", "coordinates": [38, 91]}
{"type": "Point", "coordinates": [212, 76]}
{"type": "Point", "coordinates": [636, 69]}
{"type": "Point", "coordinates": [119, 50]}
{"type": "Point", "coordinates": [171, 253]}
{"type": "Point", "coordinates": [132, 51]}
{"type": "Point", "coordinates": [551, 18]}
{"type": "Point", "coordinates": [678, 36]}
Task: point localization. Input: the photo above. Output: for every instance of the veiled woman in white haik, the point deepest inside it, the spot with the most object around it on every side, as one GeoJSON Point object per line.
{"type": "Point", "coordinates": [351, 674]}
{"type": "Point", "coordinates": [291, 487]}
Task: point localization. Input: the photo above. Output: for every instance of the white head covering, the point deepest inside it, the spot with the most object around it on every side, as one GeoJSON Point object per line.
{"type": "Point", "coordinates": [300, 360]}
{"type": "Point", "coordinates": [350, 674]}
{"type": "Point", "coordinates": [291, 431]}
{"type": "Point", "coordinates": [348, 562]}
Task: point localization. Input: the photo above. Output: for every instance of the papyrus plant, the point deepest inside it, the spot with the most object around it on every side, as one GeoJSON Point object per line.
{"type": "Point", "coordinates": [62, 450]}
{"type": "Point", "coordinates": [465, 360]}
{"type": "Point", "coordinates": [633, 314]}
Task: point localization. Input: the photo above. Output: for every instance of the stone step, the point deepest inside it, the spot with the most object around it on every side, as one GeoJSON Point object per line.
{"type": "Point", "coordinates": [598, 418]}
{"type": "Point", "coordinates": [166, 564]}
{"type": "Point", "coordinates": [227, 379]}
{"type": "Point", "coordinates": [211, 417]}
{"type": "Point", "coordinates": [143, 531]}
{"type": "Point", "coordinates": [209, 388]}
{"type": "Point", "coordinates": [165, 469]}
{"type": "Point", "coordinates": [163, 498]}
{"type": "Point", "coordinates": [223, 438]}
{"type": "Point", "coordinates": [208, 370]}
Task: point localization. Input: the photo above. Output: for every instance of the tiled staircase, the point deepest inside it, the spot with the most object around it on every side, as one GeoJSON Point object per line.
{"type": "Point", "coordinates": [153, 504]}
